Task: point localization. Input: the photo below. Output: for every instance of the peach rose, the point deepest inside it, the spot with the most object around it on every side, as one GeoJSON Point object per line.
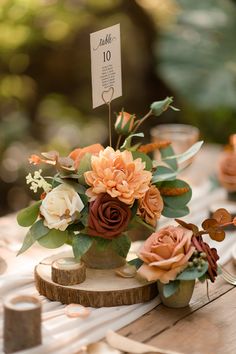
{"type": "Point", "coordinates": [124, 123]}
{"type": "Point", "coordinates": [150, 206]}
{"type": "Point", "coordinates": [166, 253]}
{"type": "Point", "coordinates": [79, 153]}
{"type": "Point", "coordinates": [117, 174]}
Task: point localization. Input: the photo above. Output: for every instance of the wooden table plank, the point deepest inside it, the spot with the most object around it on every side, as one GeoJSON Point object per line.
{"type": "Point", "coordinates": [162, 324]}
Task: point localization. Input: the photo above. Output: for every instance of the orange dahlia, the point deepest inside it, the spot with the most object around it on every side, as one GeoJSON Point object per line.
{"type": "Point", "coordinates": [119, 175]}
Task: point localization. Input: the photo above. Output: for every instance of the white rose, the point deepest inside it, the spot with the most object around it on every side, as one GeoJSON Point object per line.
{"type": "Point", "coordinates": [59, 206]}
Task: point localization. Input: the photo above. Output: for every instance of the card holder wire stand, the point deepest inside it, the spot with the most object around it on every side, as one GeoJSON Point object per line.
{"type": "Point", "coordinates": [108, 103]}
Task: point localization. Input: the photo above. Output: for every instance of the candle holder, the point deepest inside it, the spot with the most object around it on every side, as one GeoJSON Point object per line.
{"type": "Point", "coordinates": [22, 323]}
{"type": "Point", "coordinates": [67, 271]}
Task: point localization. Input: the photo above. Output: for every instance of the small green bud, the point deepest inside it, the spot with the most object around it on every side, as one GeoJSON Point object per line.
{"type": "Point", "coordinates": [203, 255]}
{"type": "Point", "coordinates": [195, 253]}
{"type": "Point", "coordinates": [195, 261]}
{"type": "Point", "coordinates": [159, 107]}
{"type": "Point", "coordinates": [202, 262]}
{"type": "Point", "coordinates": [199, 268]}
{"type": "Point", "coordinates": [190, 264]}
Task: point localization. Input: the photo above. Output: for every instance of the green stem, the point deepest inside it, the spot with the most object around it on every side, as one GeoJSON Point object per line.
{"type": "Point", "coordinates": [142, 120]}
{"type": "Point", "coordinates": [118, 142]}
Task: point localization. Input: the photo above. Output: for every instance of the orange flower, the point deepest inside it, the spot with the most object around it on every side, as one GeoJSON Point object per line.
{"type": "Point", "coordinates": [150, 206]}
{"type": "Point", "coordinates": [119, 175]}
{"type": "Point", "coordinates": [79, 153]}
{"type": "Point", "coordinates": [166, 253]}
{"type": "Point", "coordinates": [36, 160]}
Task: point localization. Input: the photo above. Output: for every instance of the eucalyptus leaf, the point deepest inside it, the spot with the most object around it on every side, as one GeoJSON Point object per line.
{"type": "Point", "coordinates": [178, 201]}
{"type": "Point", "coordinates": [127, 143]}
{"type": "Point", "coordinates": [175, 213]}
{"type": "Point", "coordinates": [170, 288]}
{"type": "Point", "coordinates": [84, 166]}
{"type": "Point", "coordinates": [29, 215]}
{"type": "Point", "coordinates": [54, 239]}
{"type": "Point", "coordinates": [163, 173]}
{"type": "Point", "coordinates": [81, 244]}
{"type": "Point", "coordinates": [36, 231]}
{"type": "Point", "coordinates": [145, 158]}
{"type": "Point", "coordinates": [167, 152]}
{"type": "Point", "coordinates": [191, 273]}
{"type": "Point", "coordinates": [137, 262]}
{"type": "Point", "coordinates": [121, 245]}
{"type": "Point", "coordinates": [188, 154]}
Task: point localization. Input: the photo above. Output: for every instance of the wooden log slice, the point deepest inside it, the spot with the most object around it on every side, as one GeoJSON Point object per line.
{"type": "Point", "coordinates": [75, 275]}
{"type": "Point", "coordinates": [102, 287]}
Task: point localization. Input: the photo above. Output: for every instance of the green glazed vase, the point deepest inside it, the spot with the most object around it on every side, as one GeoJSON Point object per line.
{"type": "Point", "coordinates": [102, 259]}
{"type": "Point", "coordinates": [182, 296]}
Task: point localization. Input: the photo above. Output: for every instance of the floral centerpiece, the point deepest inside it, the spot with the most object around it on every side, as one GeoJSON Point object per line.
{"type": "Point", "coordinates": [176, 256]}
{"type": "Point", "coordinates": [98, 193]}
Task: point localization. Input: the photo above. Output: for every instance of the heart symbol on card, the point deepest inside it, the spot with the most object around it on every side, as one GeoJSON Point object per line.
{"type": "Point", "coordinates": [107, 95]}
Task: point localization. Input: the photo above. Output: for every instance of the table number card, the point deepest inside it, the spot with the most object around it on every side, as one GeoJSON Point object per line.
{"type": "Point", "coordinates": [105, 65]}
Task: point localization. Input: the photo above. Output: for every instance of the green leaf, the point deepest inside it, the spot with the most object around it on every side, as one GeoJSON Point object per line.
{"type": "Point", "coordinates": [36, 231]}
{"type": "Point", "coordinates": [178, 201]}
{"type": "Point", "coordinates": [175, 213]}
{"type": "Point", "coordinates": [26, 217]}
{"type": "Point", "coordinates": [188, 154]}
{"type": "Point", "coordinates": [79, 188]}
{"type": "Point", "coordinates": [54, 239]}
{"type": "Point", "coordinates": [167, 152]}
{"type": "Point", "coordinates": [102, 243]}
{"type": "Point", "coordinates": [163, 173]}
{"type": "Point", "coordinates": [170, 288]}
{"type": "Point", "coordinates": [84, 166]}
{"type": "Point", "coordinates": [81, 244]}
{"type": "Point", "coordinates": [121, 245]}
{"type": "Point", "coordinates": [191, 273]}
{"type": "Point", "coordinates": [127, 143]}
{"type": "Point", "coordinates": [139, 220]}
{"type": "Point", "coordinates": [137, 262]}
{"type": "Point", "coordinates": [145, 158]}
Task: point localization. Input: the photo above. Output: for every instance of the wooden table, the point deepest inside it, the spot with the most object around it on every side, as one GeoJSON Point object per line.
{"type": "Point", "coordinates": [207, 326]}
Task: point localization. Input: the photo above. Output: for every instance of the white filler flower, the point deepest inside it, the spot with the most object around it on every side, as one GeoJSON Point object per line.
{"type": "Point", "coordinates": [60, 207]}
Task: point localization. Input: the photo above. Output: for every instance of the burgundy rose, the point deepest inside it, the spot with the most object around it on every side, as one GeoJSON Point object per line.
{"type": "Point", "coordinates": [108, 217]}
{"type": "Point", "coordinates": [211, 253]}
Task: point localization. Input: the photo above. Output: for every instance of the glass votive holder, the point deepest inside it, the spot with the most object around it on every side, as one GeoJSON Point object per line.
{"type": "Point", "coordinates": [181, 136]}
{"type": "Point", "coordinates": [22, 322]}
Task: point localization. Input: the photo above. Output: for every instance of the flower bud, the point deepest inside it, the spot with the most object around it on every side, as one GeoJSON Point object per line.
{"type": "Point", "coordinates": [159, 107]}
{"type": "Point", "coordinates": [124, 123]}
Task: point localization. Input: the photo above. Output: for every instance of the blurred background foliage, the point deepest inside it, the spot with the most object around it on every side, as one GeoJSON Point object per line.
{"type": "Point", "coordinates": [184, 48]}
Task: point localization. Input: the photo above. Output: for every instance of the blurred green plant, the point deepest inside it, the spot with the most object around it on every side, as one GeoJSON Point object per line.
{"type": "Point", "coordinates": [197, 59]}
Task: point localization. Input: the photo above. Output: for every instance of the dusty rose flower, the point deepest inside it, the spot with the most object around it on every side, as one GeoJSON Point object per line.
{"type": "Point", "coordinates": [150, 206]}
{"type": "Point", "coordinates": [166, 253]}
{"type": "Point", "coordinates": [79, 153]}
{"type": "Point", "coordinates": [108, 217]}
{"type": "Point", "coordinates": [124, 123]}
{"type": "Point", "coordinates": [211, 253]}
{"type": "Point", "coordinates": [119, 175]}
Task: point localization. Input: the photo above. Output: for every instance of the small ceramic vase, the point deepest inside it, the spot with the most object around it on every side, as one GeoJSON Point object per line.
{"type": "Point", "coordinates": [102, 259]}
{"type": "Point", "coordinates": [182, 296]}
